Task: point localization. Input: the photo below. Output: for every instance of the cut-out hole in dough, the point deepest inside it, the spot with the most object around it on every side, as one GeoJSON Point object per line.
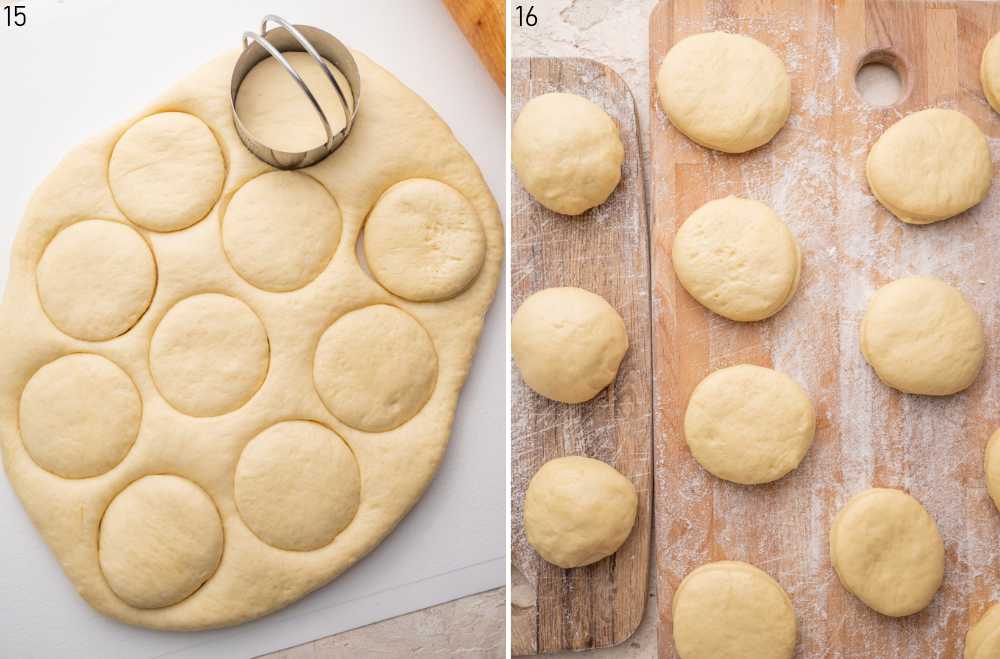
{"type": "Point", "coordinates": [79, 416]}
{"type": "Point", "coordinates": [280, 230]}
{"type": "Point", "coordinates": [375, 368]}
{"type": "Point", "coordinates": [297, 485]}
{"type": "Point", "coordinates": [160, 539]}
{"type": "Point", "coordinates": [881, 79]}
{"type": "Point", "coordinates": [96, 279]}
{"type": "Point", "coordinates": [209, 354]}
{"type": "Point", "coordinates": [424, 241]}
{"type": "Point", "coordinates": [166, 171]}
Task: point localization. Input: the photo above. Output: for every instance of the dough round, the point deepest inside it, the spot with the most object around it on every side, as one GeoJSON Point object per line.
{"type": "Point", "coordinates": [297, 485]}
{"type": "Point", "coordinates": [749, 424]}
{"type": "Point", "coordinates": [209, 354]}
{"type": "Point", "coordinates": [578, 510]}
{"type": "Point", "coordinates": [922, 337]}
{"type": "Point", "coordinates": [568, 343]}
{"type": "Point", "coordinates": [79, 415]}
{"type": "Point", "coordinates": [96, 279]}
{"type": "Point", "coordinates": [166, 171]}
{"type": "Point", "coordinates": [280, 230]}
{"type": "Point", "coordinates": [567, 152]}
{"type": "Point", "coordinates": [424, 240]}
{"type": "Point", "coordinates": [160, 540]}
{"type": "Point", "coordinates": [990, 647]}
{"type": "Point", "coordinates": [989, 72]}
{"type": "Point", "coordinates": [727, 92]}
{"type": "Point", "coordinates": [992, 464]}
{"type": "Point", "coordinates": [984, 628]}
{"type": "Point", "coordinates": [274, 110]}
{"type": "Point", "coordinates": [375, 368]}
{"type": "Point", "coordinates": [887, 551]}
{"type": "Point", "coordinates": [736, 257]}
{"type": "Point", "coordinates": [734, 610]}
{"type": "Point", "coordinates": [929, 166]}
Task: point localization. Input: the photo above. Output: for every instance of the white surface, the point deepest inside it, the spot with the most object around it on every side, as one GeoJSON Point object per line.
{"type": "Point", "coordinates": [80, 66]}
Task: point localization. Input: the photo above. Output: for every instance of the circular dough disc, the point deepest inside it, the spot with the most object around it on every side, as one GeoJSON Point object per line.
{"type": "Point", "coordinates": [424, 240]}
{"type": "Point", "coordinates": [568, 343]}
{"type": "Point", "coordinates": [166, 171]}
{"type": "Point", "coordinates": [79, 415]}
{"type": "Point", "coordinates": [567, 152]}
{"type": "Point", "coordinates": [160, 540]}
{"type": "Point", "coordinates": [749, 424]}
{"type": "Point", "coordinates": [989, 73]}
{"type": "Point", "coordinates": [984, 627]}
{"type": "Point", "coordinates": [887, 551]}
{"type": "Point", "coordinates": [727, 92]}
{"type": "Point", "coordinates": [929, 166]}
{"type": "Point", "coordinates": [734, 610]}
{"type": "Point", "coordinates": [922, 337]}
{"type": "Point", "coordinates": [578, 510]}
{"type": "Point", "coordinates": [96, 279]}
{"type": "Point", "coordinates": [736, 257]}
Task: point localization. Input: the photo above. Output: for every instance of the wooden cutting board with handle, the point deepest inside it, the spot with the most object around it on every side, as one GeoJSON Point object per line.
{"type": "Point", "coordinates": [605, 251]}
{"type": "Point", "coordinates": [868, 435]}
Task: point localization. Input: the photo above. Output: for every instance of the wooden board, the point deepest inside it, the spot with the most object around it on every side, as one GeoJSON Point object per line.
{"type": "Point", "coordinates": [605, 251]}
{"type": "Point", "coordinates": [868, 435]}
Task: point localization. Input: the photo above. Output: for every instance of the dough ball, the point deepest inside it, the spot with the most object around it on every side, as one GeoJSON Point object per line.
{"type": "Point", "coordinates": [929, 166]}
{"type": "Point", "coordinates": [79, 415]}
{"type": "Point", "coordinates": [985, 627]}
{"type": "Point", "coordinates": [749, 424]}
{"type": "Point", "coordinates": [922, 337]}
{"type": "Point", "coordinates": [992, 464]}
{"type": "Point", "coordinates": [887, 551]}
{"type": "Point", "coordinates": [280, 230]}
{"type": "Point", "coordinates": [578, 510]}
{"type": "Point", "coordinates": [989, 72]}
{"type": "Point", "coordinates": [727, 92]}
{"type": "Point", "coordinates": [567, 152]}
{"type": "Point", "coordinates": [736, 257]}
{"type": "Point", "coordinates": [96, 279]}
{"type": "Point", "coordinates": [733, 610]}
{"type": "Point", "coordinates": [424, 241]}
{"type": "Point", "coordinates": [166, 171]}
{"type": "Point", "coordinates": [160, 540]}
{"type": "Point", "coordinates": [568, 343]}
{"type": "Point", "coordinates": [274, 110]}
{"type": "Point", "coordinates": [990, 647]}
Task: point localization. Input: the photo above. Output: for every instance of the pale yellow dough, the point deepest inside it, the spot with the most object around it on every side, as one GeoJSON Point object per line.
{"type": "Point", "coordinates": [989, 72]}
{"type": "Point", "coordinates": [578, 510]}
{"type": "Point", "coordinates": [567, 152]}
{"type": "Point", "coordinates": [727, 92]}
{"type": "Point", "coordinates": [209, 407]}
{"type": "Point", "coordinates": [734, 610]}
{"type": "Point", "coordinates": [929, 166]}
{"type": "Point", "coordinates": [922, 337]}
{"type": "Point", "coordinates": [749, 424]}
{"type": "Point", "coordinates": [568, 343]}
{"type": "Point", "coordinates": [992, 467]}
{"type": "Point", "coordinates": [736, 257]}
{"type": "Point", "coordinates": [887, 551]}
{"type": "Point", "coordinates": [986, 627]}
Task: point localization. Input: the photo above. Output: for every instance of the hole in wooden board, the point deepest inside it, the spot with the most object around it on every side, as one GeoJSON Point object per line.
{"type": "Point", "coordinates": [881, 79]}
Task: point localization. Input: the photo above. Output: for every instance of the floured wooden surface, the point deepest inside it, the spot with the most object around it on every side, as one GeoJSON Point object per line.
{"type": "Point", "coordinates": [868, 435]}
{"type": "Point", "coordinates": [604, 251]}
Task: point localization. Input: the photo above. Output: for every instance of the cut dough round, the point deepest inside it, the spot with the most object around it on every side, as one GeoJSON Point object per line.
{"type": "Point", "coordinates": [79, 415]}
{"type": "Point", "coordinates": [166, 171]}
{"type": "Point", "coordinates": [274, 110]}
{"type": "Point", "coordinates": [749, 424]}
{"type": "Point", "coordinates": [578, 510]}
{"type": "Point", "coordinates": [989, 72]}
{"type": "Point", "coordinates": [922, 337]}
{"type": "Point", "coordinates": [209, 354]}
{"type": "Point", "coordinates": [985, 627]}
{"type": "Point", "coordinates": [567, 152]}
{"type": "Point", "coordinates": [992, 464]}
{"type": "Point", "coordinates": [297, 485]}
{"type": "Point", "coordinates": [161, 539]}
{"type": "Point", "coordinates": [734, 610]}
{"type": "Point", "coordinates": [929, 166]}
{"type": "Point", "coordinates": [887, 551]}
{"type": "Point", "coordinates": [96, 279]}
{"type": "Point", "coordinates": [424, 241]}
{"type": "Point", "coordinates": [568, 343]}
{"type": "Point", "coordinates": [280, 230]}
{"type": "Point", "coordinates": [727, 92]}
{"type": "Point", "coordinates": [990, 647]}
{"type": "Point", "coordinates": [736, 257]}
{"type": "Point", "coordinates": [375, 368]}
